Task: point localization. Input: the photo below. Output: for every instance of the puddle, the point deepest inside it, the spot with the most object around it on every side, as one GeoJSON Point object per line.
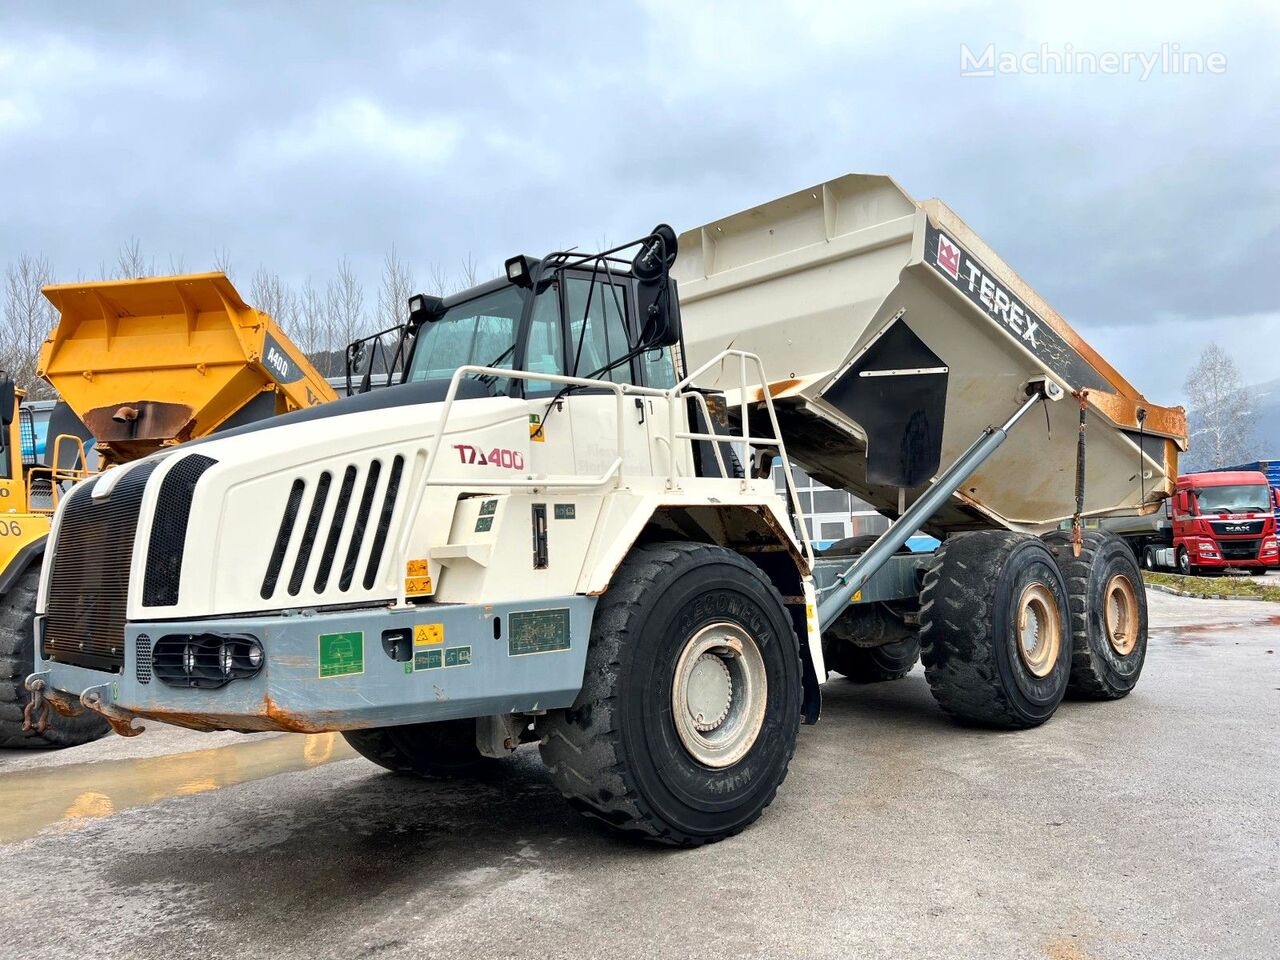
{"type": "Point", "coordinates": [68, 796]}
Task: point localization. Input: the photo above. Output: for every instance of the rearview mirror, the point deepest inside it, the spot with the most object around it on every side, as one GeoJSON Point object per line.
{"type": "Point", "coordinates": [8, 402]}
{"type": "Point", "coordinates": [656, 294]}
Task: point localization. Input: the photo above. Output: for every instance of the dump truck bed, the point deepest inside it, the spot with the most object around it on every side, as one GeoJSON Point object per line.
{"type": "Point", "coordinates": [151, 362]}
{"type": "Point", "coordinates": [893, 335]}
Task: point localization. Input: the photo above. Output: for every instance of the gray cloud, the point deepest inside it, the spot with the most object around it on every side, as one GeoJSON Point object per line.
{"type": "Point", "coordinates": [1146, 212]}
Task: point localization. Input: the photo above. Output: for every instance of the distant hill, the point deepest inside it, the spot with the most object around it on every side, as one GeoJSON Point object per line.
{"type": "Point", "coordinates": [1266, 403]}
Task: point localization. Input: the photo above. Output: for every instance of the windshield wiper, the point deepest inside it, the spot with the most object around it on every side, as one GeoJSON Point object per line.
{"type": "Point", "coordinates": [488, 379]}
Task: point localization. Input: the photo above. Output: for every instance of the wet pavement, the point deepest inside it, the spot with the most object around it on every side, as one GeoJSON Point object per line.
{"type": "Point", "coordinates": [1142, 828]}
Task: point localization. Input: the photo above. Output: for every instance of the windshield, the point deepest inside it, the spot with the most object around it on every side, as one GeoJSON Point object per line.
{"type": "Point", "coordinates": [1244, 498]}
{"type": "Point", "coordinates": [480, 332]}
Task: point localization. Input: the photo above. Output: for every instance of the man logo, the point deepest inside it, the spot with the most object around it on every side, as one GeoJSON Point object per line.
{"type": "Point", "coordinates": [948, 257]}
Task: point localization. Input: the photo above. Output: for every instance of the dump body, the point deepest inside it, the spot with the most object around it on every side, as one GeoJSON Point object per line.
{"type": "Point", "coordinates": [148, 363]}
{"type": "Point", "coordinates": [894, 336]}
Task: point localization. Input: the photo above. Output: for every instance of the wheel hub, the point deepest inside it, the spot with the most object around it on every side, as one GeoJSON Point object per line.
{"type": "Point", "coordinates": [1120, 614]}
{"type": "Point", "coordinates": [1039, 629]}
{"type": "Point", "coordinates": [718, 694]}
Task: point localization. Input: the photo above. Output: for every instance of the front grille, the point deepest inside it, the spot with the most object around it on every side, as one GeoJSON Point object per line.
{"type": "Point", "coordinates": [1237, 528]}
{"type": "Point", "coordinates": [89, 578]}
{"type": "Point", "coordinates": [169, 531]}
{"type": "Point", "coordinates": [1239, 549]}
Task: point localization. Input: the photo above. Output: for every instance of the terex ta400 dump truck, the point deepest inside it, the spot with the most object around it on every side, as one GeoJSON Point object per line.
{"type": "Point", "coordinates": [559, 523]}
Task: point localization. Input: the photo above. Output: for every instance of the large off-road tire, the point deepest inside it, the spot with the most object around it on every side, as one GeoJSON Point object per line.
{"type": "Point", "coordinates": [1108, 603]}
{"type": "Point", "coordinates": [890, 661]}
{"type": "Point", "coordinates": [893, 661]}
{"type": "Point", "coordinates": [675, 737]}
{"type": "Point", "coordinates": [17, 660]}
{"type": "Point", "coordinates": [995, 635]}
{"type": "Point", "coordinates": [441, 750]}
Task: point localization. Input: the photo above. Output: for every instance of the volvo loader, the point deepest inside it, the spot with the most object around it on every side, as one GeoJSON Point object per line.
{"type": "Point", "coordinates": [139, 366]}
{"type": "Point", "coordinates": [557, 522]}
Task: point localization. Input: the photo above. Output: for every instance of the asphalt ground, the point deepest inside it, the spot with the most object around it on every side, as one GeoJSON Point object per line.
{"type": "Point", "coordinates": [1142, 828]}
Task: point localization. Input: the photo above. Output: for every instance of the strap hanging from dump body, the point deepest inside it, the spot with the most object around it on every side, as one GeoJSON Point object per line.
{"type": "Point", "coordinates": [1077, 522]}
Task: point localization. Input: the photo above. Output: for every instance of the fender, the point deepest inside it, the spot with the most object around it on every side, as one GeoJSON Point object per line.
{"type": "Point", "coordinates": [751, 525]}
{"type": "Point", "coordinates": [30, 553]}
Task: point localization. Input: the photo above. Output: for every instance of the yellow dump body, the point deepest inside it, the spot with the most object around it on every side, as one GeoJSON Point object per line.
{"type": "Point", "coordinates": [157, 361]}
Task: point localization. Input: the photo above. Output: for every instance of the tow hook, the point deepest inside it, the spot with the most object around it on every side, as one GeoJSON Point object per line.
{"type": "Point", "coordinates": [35, 715]}
{"type": "Point", "coordinates": [98, 699]}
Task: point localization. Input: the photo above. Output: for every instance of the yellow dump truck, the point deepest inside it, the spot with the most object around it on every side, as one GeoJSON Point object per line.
{"type": "Point", "coordinates": [139, 365]}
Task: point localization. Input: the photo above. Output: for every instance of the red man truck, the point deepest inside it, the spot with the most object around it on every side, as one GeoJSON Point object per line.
{"type": "Point", "coordinates": [1212, 522]}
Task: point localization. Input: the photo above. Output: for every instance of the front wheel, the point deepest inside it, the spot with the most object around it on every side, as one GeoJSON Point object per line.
{"type": "Point", "coordinates": [690, 704]}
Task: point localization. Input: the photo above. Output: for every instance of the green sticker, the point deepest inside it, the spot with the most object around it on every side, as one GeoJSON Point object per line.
{"type": "Point", "coordinates": [428, 659]}
{"type": "Point", "coordinates": [566, 511]}
{"type": "Point", "coordinates": [488, 508]}
{"type": "Point", "coordinates": [341, 654]}
{"type": "Point", "coordinates": [537, 631]}
{"type": "Point", "coordinates": [408, 668]}
{"type": "Point", "coordinates": [457, 656]}
{"type": "Point", "coordinates": [484, 524]}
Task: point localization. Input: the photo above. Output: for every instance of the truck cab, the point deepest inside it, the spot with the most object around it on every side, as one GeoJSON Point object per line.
{"type": "Point", "coordinates": [1223, 519]}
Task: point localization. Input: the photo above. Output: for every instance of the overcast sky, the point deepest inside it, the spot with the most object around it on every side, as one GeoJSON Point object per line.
{"type": "Point", "coordinates": [1145, 211]}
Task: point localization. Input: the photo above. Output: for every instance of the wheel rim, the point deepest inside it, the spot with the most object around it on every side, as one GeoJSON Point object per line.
{"type": "Point", "coordinates": [1120, 614]}
{"type": "Point", "coordinates": [1039, 629]}
{"type": "Point", "coordinates": [718, 694]}
{"type": "Point", "coordinates": [1184, 561]}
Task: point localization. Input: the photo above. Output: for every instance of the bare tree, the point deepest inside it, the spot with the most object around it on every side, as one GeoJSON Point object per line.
{"type": "Point", "coordinates": [222, 260]}
{"type": "Point", "coordinates": [28, 318]}
{"type": "Point", "coordinates": [274, 298]}
{"type": "Point", "coordinates": [313, 333]}
{"type": "Point", "coordinates": [442, 283]}
{"type": "Point", "coordinates": [344, 306]}
{"type": "Point", "coordinates": [394, 291]}
{"type": "Point", "coordinates": [131, 264]}
{"type": "Point", "coordinates": [1221, 420]}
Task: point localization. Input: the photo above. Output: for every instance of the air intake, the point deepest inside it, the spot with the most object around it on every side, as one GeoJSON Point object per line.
{"type": "Point", "coordinates": [169, 531]}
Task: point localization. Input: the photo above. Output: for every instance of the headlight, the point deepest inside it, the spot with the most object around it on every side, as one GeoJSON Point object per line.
{"type": "Point", "coordinates": [206, 660]}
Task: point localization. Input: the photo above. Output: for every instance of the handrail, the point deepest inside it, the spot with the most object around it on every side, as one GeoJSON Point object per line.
{"type": "Point", "coordinates": [674, 396]}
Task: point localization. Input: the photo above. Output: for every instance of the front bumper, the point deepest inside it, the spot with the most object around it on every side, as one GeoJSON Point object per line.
{"type": "Point", "coordinates": [332, 671]}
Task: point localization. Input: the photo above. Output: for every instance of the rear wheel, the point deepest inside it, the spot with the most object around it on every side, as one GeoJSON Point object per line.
{"type": "Point", "coordinates": [994, 630]}
{"type": "Point", "coordinates": [893, 661]}
{"type": "Point", "coordinates": [690, 704]}
{"type": "Point", "coordinates": [17, 660]}
{"type": "Point", "coordinates": [1108, 614]}
{"type": "Point", "coordinates": [442, 750]}
{"type": "Point", "coordinates": [1149, 559]}
{"type": "Point", "coordinates": [868, 664]}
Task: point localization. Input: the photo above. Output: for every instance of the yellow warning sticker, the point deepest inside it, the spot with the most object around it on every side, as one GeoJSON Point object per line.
{"type": "Point", "coordinates": [856, 598]}
{"type": "Point", "coordinates": [536, 433]}
{"type": "Point", "coordinates": [416, 568]}
{"type": "Point", "coordinates": [417, 586]}
{"type": "Point", "coordinates": [426, 634]}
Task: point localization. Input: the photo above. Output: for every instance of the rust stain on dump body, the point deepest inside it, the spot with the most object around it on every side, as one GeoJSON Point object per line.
{"type": "Point", "coordinates": [66, 797]}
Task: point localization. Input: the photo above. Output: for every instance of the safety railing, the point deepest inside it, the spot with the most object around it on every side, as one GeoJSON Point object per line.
{"type": "Point", "coordinates": [674, 396]}
{"type": "Point", "coordinates": [55, 477]}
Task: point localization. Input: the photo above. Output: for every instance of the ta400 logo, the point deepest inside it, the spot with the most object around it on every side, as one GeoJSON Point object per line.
{"type": "Point", "coordinates": [497, 457]}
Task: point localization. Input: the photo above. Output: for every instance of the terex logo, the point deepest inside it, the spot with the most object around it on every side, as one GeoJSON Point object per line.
{"type": "Point", "coordinates": [948, 257]}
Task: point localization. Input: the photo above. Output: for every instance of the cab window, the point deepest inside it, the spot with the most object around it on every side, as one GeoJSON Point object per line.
{"type": "Point", "coordinates": [602, 307]}
{"type": "Point", "coordinates": [479, 332]}
{"type": "Point", "coordinates": [659, 368]}
{"type": "Point", "coordinates": [545, 350]}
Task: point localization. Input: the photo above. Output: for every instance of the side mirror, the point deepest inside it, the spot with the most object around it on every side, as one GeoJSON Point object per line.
{"type": "Point", "coordinates": [8, 402]}
{"type": "Point", "coordinates": [656, 295]}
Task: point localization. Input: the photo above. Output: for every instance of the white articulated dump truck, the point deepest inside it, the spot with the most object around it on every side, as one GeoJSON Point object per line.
{"type": "Point", "coordinates": [558, 522]}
